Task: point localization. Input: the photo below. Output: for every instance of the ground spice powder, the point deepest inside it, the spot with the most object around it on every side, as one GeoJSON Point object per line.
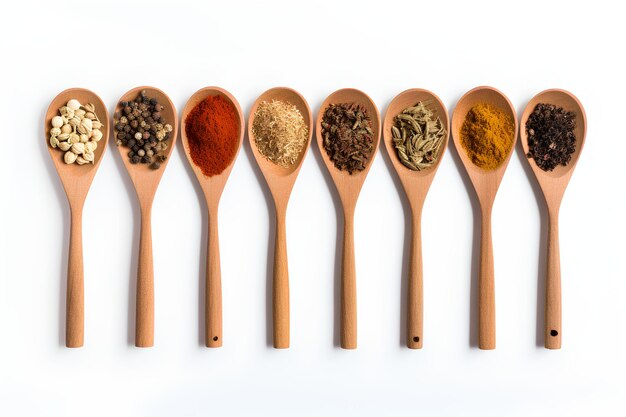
{"type": "Point", "coordinates": [212, 129]}
{"type": "Point", "coordinates": [487, 135]}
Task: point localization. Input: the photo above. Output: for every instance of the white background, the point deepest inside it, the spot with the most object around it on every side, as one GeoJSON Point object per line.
{"type": "Point", "coordinates": [382, 48]}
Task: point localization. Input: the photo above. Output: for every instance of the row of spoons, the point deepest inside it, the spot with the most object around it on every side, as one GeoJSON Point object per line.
{"type": "Point", "coordinates": [76, 181]}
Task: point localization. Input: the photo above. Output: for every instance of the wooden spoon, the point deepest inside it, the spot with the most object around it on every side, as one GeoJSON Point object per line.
{"type": "Point", "coordinates": [348, 188]}
{"type": "Point", "coordinates": [212, 188]}
{"type": "Point", "coordinates": [416, 185]}
{"type": "Point", "coordinates": [553, 184]}
{"type": "Point", "coordinates": [486, 184]}
{"type": "Point", "coordinates": [76, 180]}
{"type": "Point", "coordinates": [280, 182]}
{"type": "Point", "coordinates": [146, 181]}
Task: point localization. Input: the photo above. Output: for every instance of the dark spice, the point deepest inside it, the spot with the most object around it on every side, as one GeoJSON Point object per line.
{"type": "Point", "coordinates": [551, 138]}
{"type": "Point", "coordinates": [141, 128]}
{"type": "Point", "coordinates": [348, 137]}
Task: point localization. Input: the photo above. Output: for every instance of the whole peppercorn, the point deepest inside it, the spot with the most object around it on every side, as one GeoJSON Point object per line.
{"type": "Point", "coordinates": [141, 127]}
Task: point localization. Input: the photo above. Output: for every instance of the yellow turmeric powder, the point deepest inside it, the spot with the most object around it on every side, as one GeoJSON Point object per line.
{"type": "Point", "coordinates": [487, 135]}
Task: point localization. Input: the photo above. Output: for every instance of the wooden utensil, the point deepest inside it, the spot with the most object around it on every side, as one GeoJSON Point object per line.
{"type": "Point", "coordinates": [212, 188]}
{"type": "Point", "coordinates": [486, 184]}
{"type": "Point", "coordinates": [553, 185]}
{"type": "Point", "coordinates": [280, 182]}
{"type": "Point", "coordinates": [76, 180]}
{"type": "Point", "coordinates": [348, 188]}
{"type": "Point", "coordinates": [416, 185]}
{"type": "Point", "coordinates": [146, 181]}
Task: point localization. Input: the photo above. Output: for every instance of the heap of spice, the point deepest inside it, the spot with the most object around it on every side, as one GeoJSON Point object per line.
{"type": "Point", "coordinates": [487, 135]}
{"type": "Point", "coordinates": [141, 127]}
{"type": "Point", "coordinates": [347, 136]}
{"type": "Point", "coordinates": [76, 132]}
{"type": "Point", "coordinates": [212, 130]}
{"type": "Point", "coordinates": [418, 136]}
{"type": "Point", "coordinates": [551, 137]}
{"type": "Point", "coordinates": [280, 133]}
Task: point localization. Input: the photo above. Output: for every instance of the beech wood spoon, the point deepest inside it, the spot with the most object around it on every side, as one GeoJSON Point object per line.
{"type": "Point", "coordinates": [212, 188]}
{"type": "Point", "coordinates": [76, 180]}
{"type": "Point", "coordinates": [348, 187]}
{"type": "Point", "coordinates": [416, 185]}
{"type": "Point", "coordinates": [280, 182]}
{"type": "Point", "coordinates": [553, 185]}
{"type": "Point", "coordinates": [486, 183]}
{"type": "Point", "coordinates": [146, 181]}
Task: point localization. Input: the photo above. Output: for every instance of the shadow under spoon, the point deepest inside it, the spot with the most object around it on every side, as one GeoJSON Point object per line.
{"type": "Point", "coordinates": [553, 185]}
{"type": "Point", "coordinates": [212, 187]}
{"type": "Point", "coordinates": [76, 180]}
{"type": "Point", "coordinates": [486, 183]}
{"type": "Point", "coordinates": [146, 181]}
{"type": "Point", "coordinates": [348, 187]}
{"type": "Point", "coordinates": [280, 181]}
{"type": "Point", "coordinates": [416, 185]}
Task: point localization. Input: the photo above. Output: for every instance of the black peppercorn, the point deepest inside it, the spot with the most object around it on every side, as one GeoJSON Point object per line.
{"type": "Point", "coordinates": [131, 154]}
{"type": "Point", "coordinates": [146, 159]}
{"type": "Point", "coordinates": [135, 159]}
{"type": "Point", "coordinates": [155, 165]}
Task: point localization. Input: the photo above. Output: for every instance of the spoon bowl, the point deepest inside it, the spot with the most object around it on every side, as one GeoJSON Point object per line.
{"type": "Point", "coordinates": [553, 185]}
{"type": "Point", "coordinates": [76, 180]}
{"type": "Point", "coordinates": [486, 183]}
{"type": "Point", "coordinates": [280, 181]}
{"type": "Point", "coordinates": [416, 185]}
{"type": "Point", "coordinates": [212, 187]}
{"type": "Point", "coordinates": [146, 181]}
{"type": "Point", "coordinates": [348, 187]}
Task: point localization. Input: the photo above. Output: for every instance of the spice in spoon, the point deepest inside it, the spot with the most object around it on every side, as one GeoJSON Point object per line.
{"type": "Point", "coordinates": [212, 130]}
{"type": "Point", "coordinates": [487, 135]}
{"type": "Point", "coordinates": [418, 136]}
{"type": "Point", "coordinates": [347, 136]}
{"type": "Point", "coordinates": [551, 137]}
{"type": "Point", "coordinates": [140, 126]}
{"type": "Point", "coordinates": [280, 133]}
{"type": "Point", "coordinates": [76, 132]}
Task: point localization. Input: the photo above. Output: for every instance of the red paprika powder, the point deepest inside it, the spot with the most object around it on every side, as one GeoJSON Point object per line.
{"type": "Point", "coordinates": [212, 129]}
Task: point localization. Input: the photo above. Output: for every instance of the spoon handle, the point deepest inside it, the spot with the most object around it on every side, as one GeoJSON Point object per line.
{"type": "Point", "coordinates": [281, 283]}
{"type": "Point", "coordinates": [213, 306]}
{"type": "Point", "coordinates": [486, 290]}
{"type": "Point", "coordinates": [348, 285]}
{"type": "Point", "coordinates": [75, 319]}
{"type": "Point", "coordinates": [553, 287]}
{"type": "Point", "coordinates": [144, 332]}
{"type": "Point", "coordinates": [415, 288]}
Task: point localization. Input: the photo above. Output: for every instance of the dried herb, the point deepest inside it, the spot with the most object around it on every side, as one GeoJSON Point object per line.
{"type": "Point", "coordinates": [551, 138]}
{"type": "Point", "coordinates": [418, 137]}
{"type": "Point", "coordinates": [348, 136]}
{"type": "Point", "coordinates": [280, 133]}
